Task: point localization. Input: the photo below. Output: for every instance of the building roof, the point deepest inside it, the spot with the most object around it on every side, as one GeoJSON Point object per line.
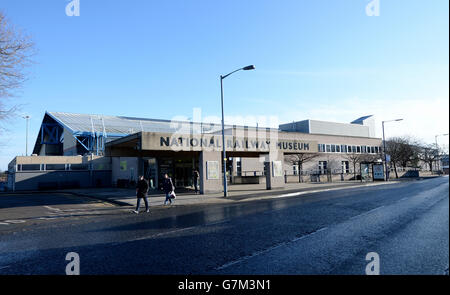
{"type": "Point", "coordinates": [361, 120]}
{"type": "Point", "coordinates": [121, 126]}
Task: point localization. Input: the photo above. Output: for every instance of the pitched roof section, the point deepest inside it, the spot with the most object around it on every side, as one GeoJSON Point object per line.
{"type": "Point", "coordinates": [122, 126]}
{"type": "Point", "coordinates": [361, 120]}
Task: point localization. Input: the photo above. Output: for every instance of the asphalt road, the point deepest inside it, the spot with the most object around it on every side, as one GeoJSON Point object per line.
{"type": "Point", "coordinates": [406, 224]}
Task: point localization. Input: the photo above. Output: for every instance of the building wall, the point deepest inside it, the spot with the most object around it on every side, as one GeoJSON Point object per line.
{"type": "Point", "coordinates": [330, 128]}
{"type": "Point", "coordinates": [58, 172]}
{"type": "Point", "coordinates": [70, 144]}
{"type": "Point", "coordinates": [125, 168]}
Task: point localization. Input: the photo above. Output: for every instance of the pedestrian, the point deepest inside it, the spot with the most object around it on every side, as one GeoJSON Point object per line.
{"type": "Point", "coordinates": [196, 177]}
{"type": "Point", "coordinates": [168, 188]}
{"type": "Point", "coordinates": [141, 193]}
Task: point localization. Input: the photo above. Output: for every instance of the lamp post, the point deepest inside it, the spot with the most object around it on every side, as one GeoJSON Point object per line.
{"type": "Point", "coordinates": [26, 138]}
{"type": "Point", "coordinates": [384, 148]}
{"type": "Point", "coordinates": [247, 68]}
{"type": "Point", "coordinates": [437, 149]}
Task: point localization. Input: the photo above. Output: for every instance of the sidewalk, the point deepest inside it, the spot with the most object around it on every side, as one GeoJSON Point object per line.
{"type": "Point", "coordinates": [236, 193]}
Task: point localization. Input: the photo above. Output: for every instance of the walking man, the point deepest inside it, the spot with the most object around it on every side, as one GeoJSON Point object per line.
{"type": "Point", "coordinates": [196, 177]}
{"type": "Point", "coordinates": [168, 188]}
{"type": "Point", "coordinates": [141, 193]}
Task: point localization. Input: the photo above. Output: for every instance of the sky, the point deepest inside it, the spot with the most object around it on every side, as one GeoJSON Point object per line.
{"type": "Point", "coordinates": [315, 59]}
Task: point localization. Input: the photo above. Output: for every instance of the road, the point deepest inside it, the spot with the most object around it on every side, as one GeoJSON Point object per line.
{"type": "Point", "coordinates": [406, 224]}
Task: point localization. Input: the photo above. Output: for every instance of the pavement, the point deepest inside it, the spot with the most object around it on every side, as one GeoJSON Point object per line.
{"type": "Point", "coordinates": [236, 192]}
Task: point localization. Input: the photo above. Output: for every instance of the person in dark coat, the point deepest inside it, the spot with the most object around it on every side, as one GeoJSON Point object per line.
{"type": "Point", "coordinates": [141, 193]}
{"type": "Point", "coordinates": [196, 177]}
{"type": "Point", "coordinates": [168, 188]}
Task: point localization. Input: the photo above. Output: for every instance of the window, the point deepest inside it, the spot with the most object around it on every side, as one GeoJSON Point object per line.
{"type": "Point", "coordinates": [30, 167]}
{"type": "Point", "coordinates": [377, 150]}
{"type": "Point", "coordinates": [328, 148]}
{"type": "Point", "coordinates": [338, 148]}
{"type": "Point", "coordinates": [343, 148]}
{"type": "Point", "coordinates": [372, 150]}
{"type": "Point", "coordinates": [79, 167]}
{"type": "Point", "coordinates": [349, 149]}
{"type": "Point", "coordinates": [345, 167]}
{"type": "Point", "coordinates": [353, 149]}
{"type": "Point", "coordinates": [333, 148]}
{"type": "Point", "coordinates": [321, 147]}
{"type": "Point", "coordinates": [322, 167]}
{"type": "Point", "coordinates": [55, 167]}
{"type": "Point", "coordinates": [358, 149]}
{"type": "Point", "coordinates": [238, 167]}
{"type": "Point", "coordinates": [295, 169]}
{"type": "Point", "coordinates": [364, 149]}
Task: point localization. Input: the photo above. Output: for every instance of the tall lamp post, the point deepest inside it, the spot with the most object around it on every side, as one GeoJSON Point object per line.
{"type": "Point", "coordinates": [437, 149]}
{"type": "Point", "coordinates": [26, 139]}
{"type": "Point", "coordinates": [384, 148]}
{"type": "Point", "coordinates": [247, 68]}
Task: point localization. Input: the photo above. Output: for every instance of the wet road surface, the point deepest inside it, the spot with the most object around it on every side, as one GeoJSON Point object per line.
{"type": "Point", "coordinates": [321, 233]}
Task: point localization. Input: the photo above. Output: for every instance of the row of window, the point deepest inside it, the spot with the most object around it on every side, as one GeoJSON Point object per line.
{"type": "Point", "coordinates": [323, 165]}
{"type": "Point", "coordinates": [59, 167]}
{"type": "Point", "coordinates": [343, 148]}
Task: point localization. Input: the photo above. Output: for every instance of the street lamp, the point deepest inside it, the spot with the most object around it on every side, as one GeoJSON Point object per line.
{"type": "Point", "coordinates": [26, 139]}
{"type": "Point", "coordinates": [247, 68]}
{"type": "Point", "coordinates": [437, 149]}
{"type": "Point", "coordinates": [384, 148]}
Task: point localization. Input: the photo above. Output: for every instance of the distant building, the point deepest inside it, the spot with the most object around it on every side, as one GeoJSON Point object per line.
{"type": "Point", "coordinates": [82, 150]}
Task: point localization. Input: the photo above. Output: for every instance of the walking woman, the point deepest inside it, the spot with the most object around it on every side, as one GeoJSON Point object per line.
{"type": "Point", "coordinates": [168, 188]}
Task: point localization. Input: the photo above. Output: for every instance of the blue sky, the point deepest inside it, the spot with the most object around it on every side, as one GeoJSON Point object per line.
{"type": "Point", "coordinates": [320, 59]}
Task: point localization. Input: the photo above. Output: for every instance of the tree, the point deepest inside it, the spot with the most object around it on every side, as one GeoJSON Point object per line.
{"type": "Point", "coordinates": [354, 159]}
{"type": "Point", "coordinates": [299, 159]}
{"type": "Point", "coordinates": [15, 55]}
{"type": "Point", "coordinates": [403, 151]}
{"type": "Point", "coordinates": [428, 154]}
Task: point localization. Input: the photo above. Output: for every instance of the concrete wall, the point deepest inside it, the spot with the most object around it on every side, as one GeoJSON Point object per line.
{"type": "Point", "coordinates": [45, 180]}
{"type": "Point", "coordinates": [125, 168]}
{"type": "Point", "coordinates": [70, 144]}
{"type": "Point", "coordinates": [210, 185]}
{"type": "Point", "coordinates": [329, 128]}
{"type": "Point", "coordinates": [96, 172]}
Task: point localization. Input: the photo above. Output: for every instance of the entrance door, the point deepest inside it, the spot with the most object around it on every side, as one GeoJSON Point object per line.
{"type": "Point", "coordinates": [183, 173]}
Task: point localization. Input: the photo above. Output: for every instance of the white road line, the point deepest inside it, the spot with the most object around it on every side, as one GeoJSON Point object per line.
{"type": "Point", "coordinates": [268, 249]}
{"type": "Point", "coordinates": [14, 221]}
{"type": "Point", "coordinates": [314, 191]}
{"type": "Point", "coordinates": [367, 212]}
{"type": "Point", "coordinates": [178, 230]}
{"type": "Point", "coordinates": [52, 209]}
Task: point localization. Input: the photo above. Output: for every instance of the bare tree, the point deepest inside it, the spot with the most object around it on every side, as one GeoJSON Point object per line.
{"type": "Point", "coordinates": [15, 55]}
{"type": "Point", "coordinates": [354, 159]}
{"type": "Point", "coordinates": [403, 151]}
{"type": "Point", "coordinates": [300, 159]}
{"type": "Point", "coordinates": [428, 154]}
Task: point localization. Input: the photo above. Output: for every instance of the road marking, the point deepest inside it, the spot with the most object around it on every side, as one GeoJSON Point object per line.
{"type": "Point", "coordinates": [314, 191]}
{"type": "Point", "coordinates": [52, 209]}
{"type": "Point", "coordinates": [268, 249]}
{"type": "Point", "coordinates": [14, 221]}
{"type": "Point", "coordinates": [367, 212]}
{"type": "Point", "coordinates": [177, 230]}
